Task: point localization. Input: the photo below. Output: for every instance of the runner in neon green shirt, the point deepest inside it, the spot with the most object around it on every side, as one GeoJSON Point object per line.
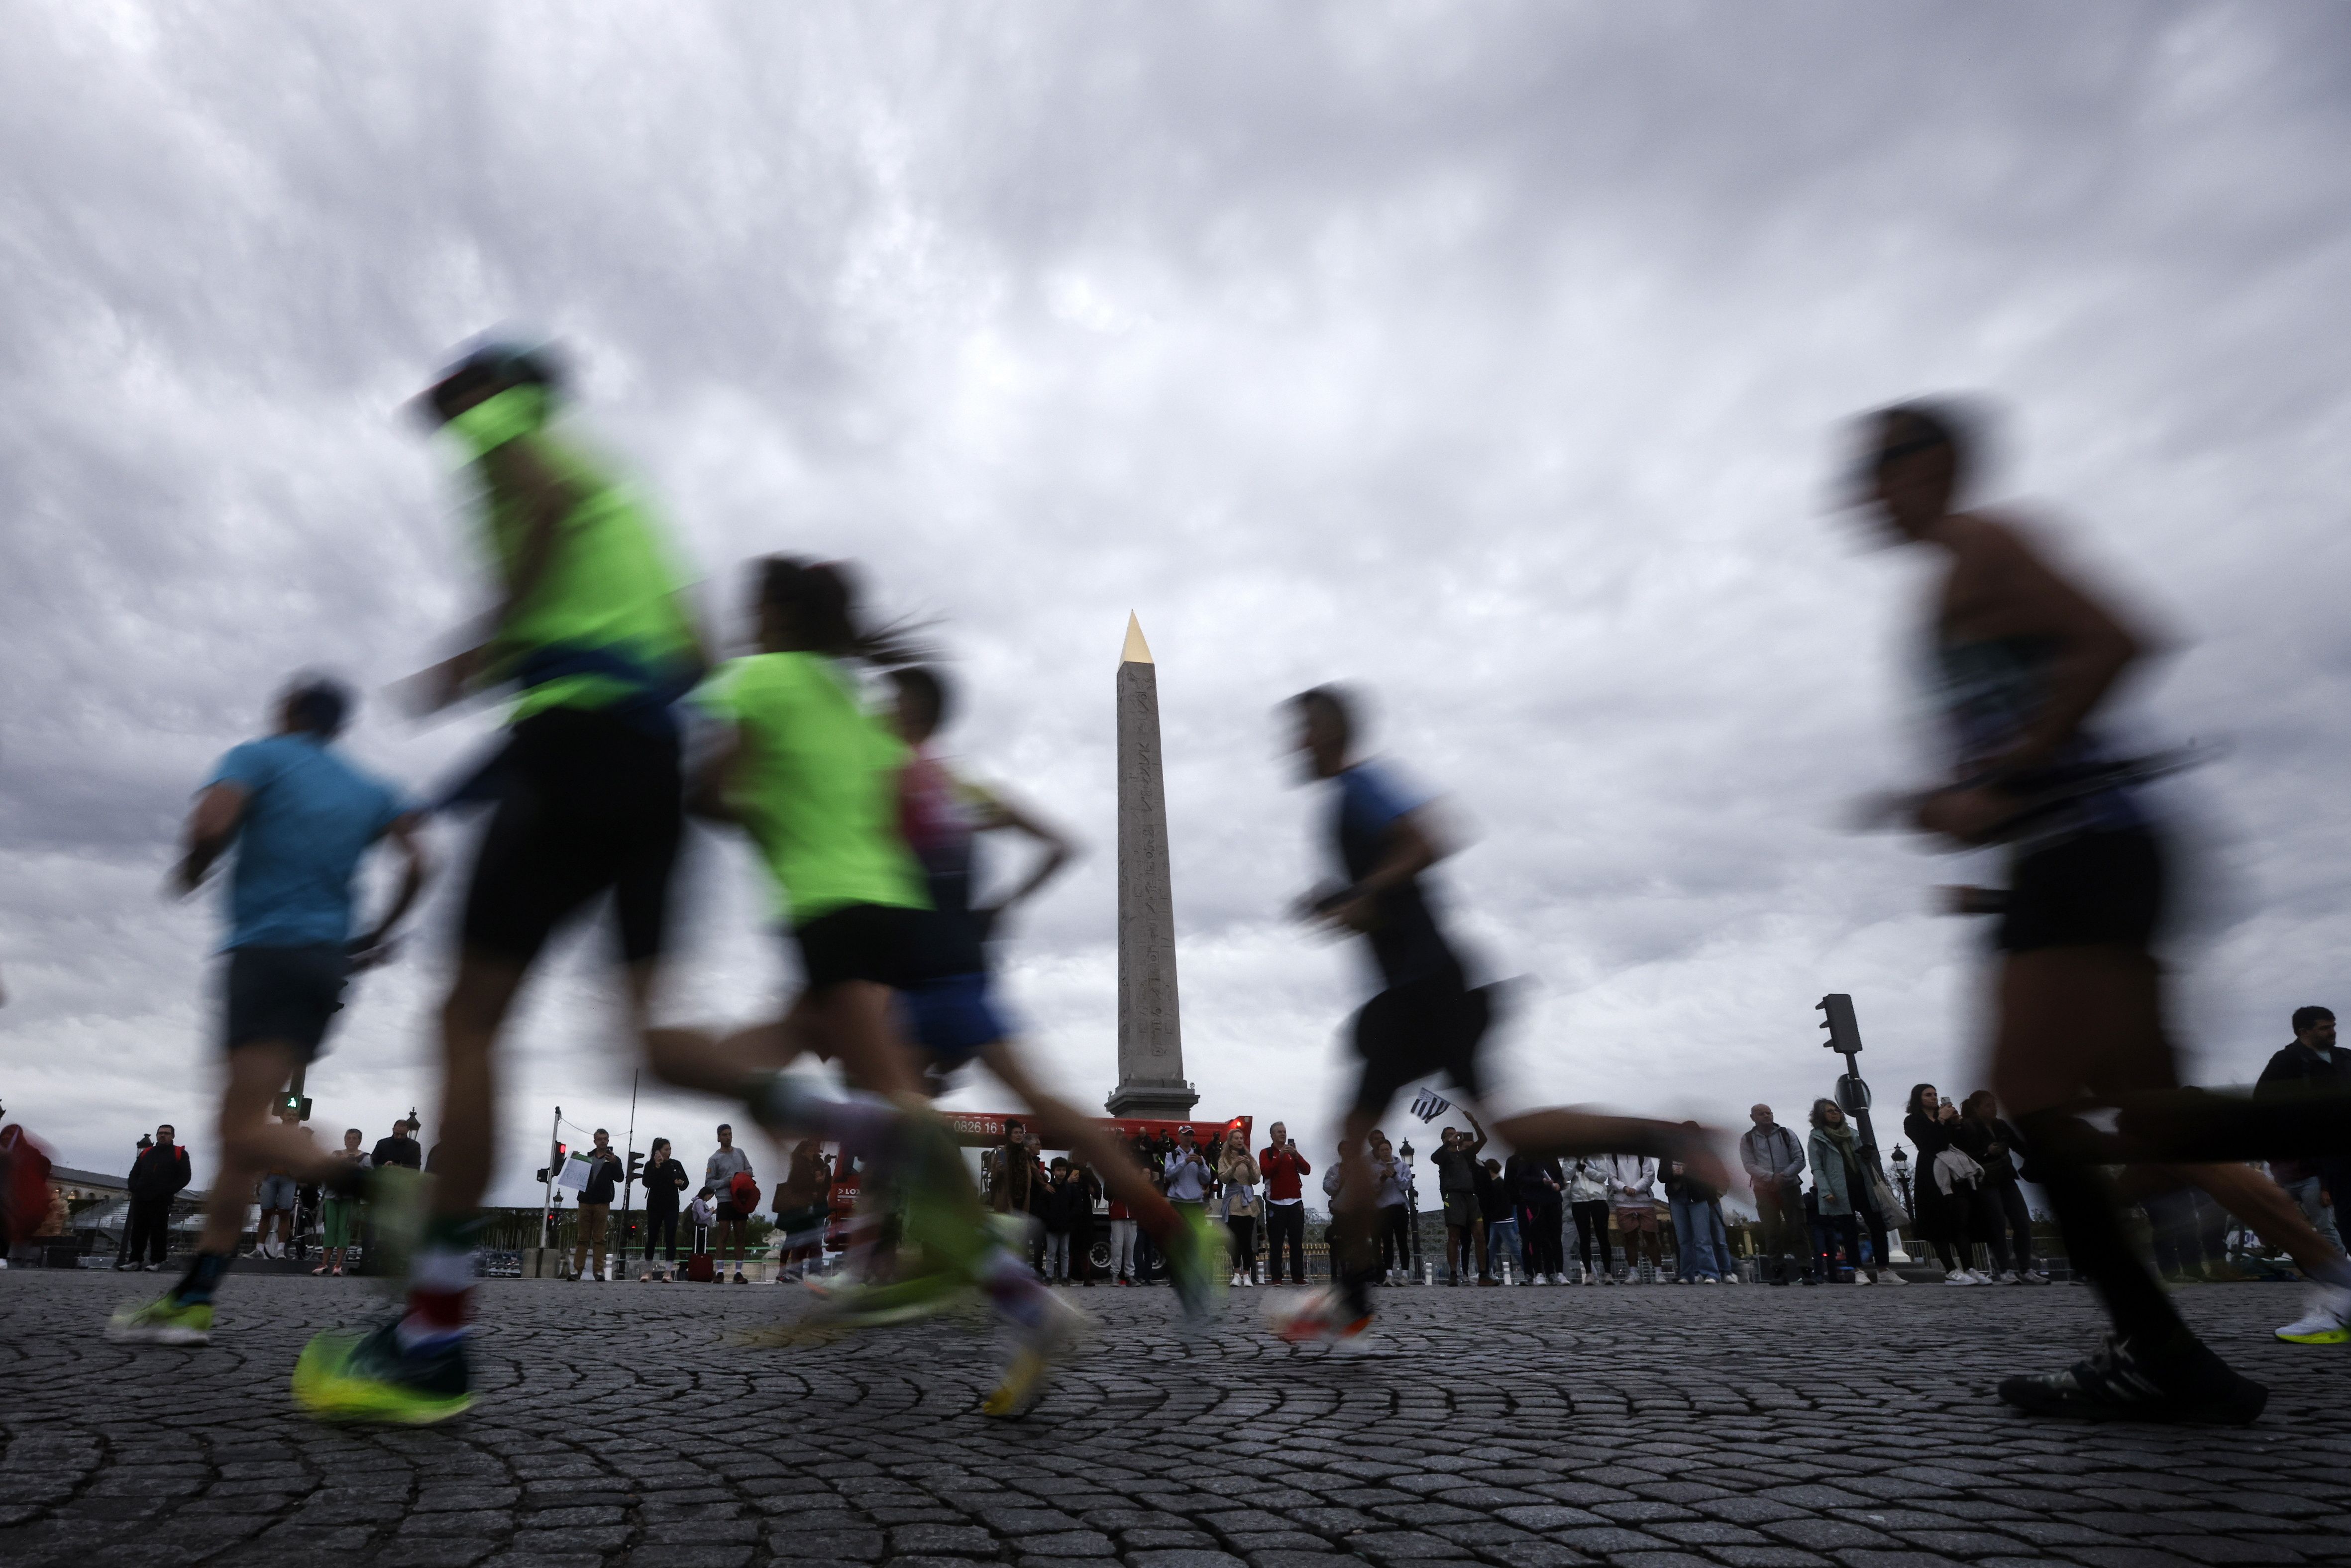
{"type": "Point", "coordinates": [816, 784]}
{"type": "Point", "coordinates": [814, 777]}
{"type": "Point", "coordinates": [590, 626]}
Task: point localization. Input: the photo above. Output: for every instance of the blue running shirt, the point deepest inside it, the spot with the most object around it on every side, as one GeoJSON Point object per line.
{"type": "Point", "coordinates": [309, 816]}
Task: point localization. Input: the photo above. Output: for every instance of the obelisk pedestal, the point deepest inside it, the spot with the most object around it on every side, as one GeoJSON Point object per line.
{"type": "Point", "coordinates": [1150, 1022]}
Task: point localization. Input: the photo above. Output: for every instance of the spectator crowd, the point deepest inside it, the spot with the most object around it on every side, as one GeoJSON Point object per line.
{"type": "Point", "coordinates": [1827, 1207]}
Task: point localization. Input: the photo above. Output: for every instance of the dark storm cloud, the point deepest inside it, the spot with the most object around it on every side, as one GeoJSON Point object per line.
{"type": "Point", "coordinates": [1495, 357]}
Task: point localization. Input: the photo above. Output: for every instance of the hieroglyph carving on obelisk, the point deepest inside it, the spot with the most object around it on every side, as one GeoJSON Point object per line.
{"type": "Point", "coordinates": [1150, 1020]}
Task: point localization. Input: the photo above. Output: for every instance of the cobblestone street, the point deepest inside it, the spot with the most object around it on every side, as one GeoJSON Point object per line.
{"type": "Point", "coordinates": [1651, 1427]}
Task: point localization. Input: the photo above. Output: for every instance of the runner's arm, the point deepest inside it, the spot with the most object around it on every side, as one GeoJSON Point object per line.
{"type": "Point", "coordinates": [211, 825]}
{"type": "Point", "coordinates": [1411, 849]}
{"type": "Point", "coordinates": [1060, 848]}
{"type": "Point", "coordinates": [415, 871]}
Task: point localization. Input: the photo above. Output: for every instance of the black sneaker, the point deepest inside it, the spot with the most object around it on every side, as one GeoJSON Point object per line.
{"type": "Point", "coordinates": [2119, 1384]}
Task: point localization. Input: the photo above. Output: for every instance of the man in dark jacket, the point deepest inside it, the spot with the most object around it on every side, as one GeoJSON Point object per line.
{"type": "Point", "coordinates": [2311, 1064]}
{"type": "Point", "coordinates": [604, 1176]}
{"type": "Point", "coordinates": [400, 1149]}
{"type": "Point", "coordinates": [157, 1177]}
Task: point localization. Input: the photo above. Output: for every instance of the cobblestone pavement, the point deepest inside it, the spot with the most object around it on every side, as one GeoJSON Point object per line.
{"type": "Point", "coordinates": [1649, 1427]}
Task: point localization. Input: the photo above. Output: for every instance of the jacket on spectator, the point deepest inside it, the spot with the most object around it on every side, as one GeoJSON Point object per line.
{"type": "Point", "coordinates": [1282, 1169]}
{"type": "Point", "coordinates": [665, 1187]}
{"type": "Point", "coordinates": [1831, 1184]}
{"type": "Point", "coordinates": [1239, 1175]}
{"type": "Point", "coordinates": [1011, 1171]}
{"type": "Point", "coordinates": [1769, 1156]}
{"type": "Point", "coordinates": [398, 1152]}
{"type": "Point", "coordinates": [1587, 1179]}
{"type": "Point", "coordinates": [1188, 1176]}
{"type": "Point", "coordinates": [1533, 1181]}
{"type": "Point", "coordinates": [2298, 1068]}
{"type": "Point", "coordinates": [159, 1172]}
{"type": "Point", "coordinates": [603, 1176]}
{"type": "Point", "coordinates": [1392, 1182]}
{"type": "Point", "coordinates": [1495, 1202]}
{"type": "Point", "coordinates": [1631, 1178]}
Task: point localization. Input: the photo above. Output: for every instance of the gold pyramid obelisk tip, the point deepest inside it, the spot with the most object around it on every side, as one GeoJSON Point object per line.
{"type": "Point", "coordinates": [1138, 652]}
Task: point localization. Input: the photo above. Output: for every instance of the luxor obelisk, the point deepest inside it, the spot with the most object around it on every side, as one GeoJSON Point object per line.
{"type": "Point", "coordinates": [1150, 1022]}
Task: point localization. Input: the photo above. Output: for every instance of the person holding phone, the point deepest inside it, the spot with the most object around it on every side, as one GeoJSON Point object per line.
{"type": "Point", "coordinates": [1285, 1205]}
{"type": "Point", "coordinates": [666, 1181]}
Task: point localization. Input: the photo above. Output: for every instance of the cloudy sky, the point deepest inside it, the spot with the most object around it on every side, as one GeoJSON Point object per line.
{"type": "Point", "coordinates": [1493, 358]}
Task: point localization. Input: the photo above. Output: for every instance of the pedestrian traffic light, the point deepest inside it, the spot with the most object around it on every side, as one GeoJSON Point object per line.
{"type": "Point", "coordinates": [298, 1103]}
{"type": "Point", "coordinates": [1844, 1034]}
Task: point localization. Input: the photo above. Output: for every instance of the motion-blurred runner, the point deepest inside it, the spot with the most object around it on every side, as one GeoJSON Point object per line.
{"type": "Point", "coordinates": [590, 626]}
{"type": "Point", "coordinates": [2025, 657]}
{"type": "Point", "coordinates": [301, 819]}
{"type": "Point", "coordinates": [1427, 1020]}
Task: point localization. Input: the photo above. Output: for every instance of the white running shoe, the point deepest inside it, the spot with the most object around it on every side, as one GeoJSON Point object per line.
{"type": "Point", "coordinates": [1888, 1277]}
{"type": "Point", "coordinates": [1861, 1277]}
{"type": "Point", "coordinates": [2327, 1322]}
{"type": "Point", "coordinates": [1960, 1276]}
{"type": "Point", "coordinates": [2006, 1277]}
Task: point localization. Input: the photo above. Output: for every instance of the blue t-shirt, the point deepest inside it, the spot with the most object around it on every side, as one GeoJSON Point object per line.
{"type": "Point", "coordinates": [1406, 941]}
{"type": "Point", "coordinates": [309, 816]}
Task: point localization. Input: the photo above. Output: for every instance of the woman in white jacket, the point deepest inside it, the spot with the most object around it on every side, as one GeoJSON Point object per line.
{"type": "Point", "coordinates": [1587, 1201]}
{"type": "Point", "coordinates": [1632, 1182]}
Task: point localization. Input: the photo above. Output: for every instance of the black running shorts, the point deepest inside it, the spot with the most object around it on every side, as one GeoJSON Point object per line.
{"type": "Point", "coordinates": [2094, 889]}
{"type": "Point", "coordinates": [880, 944]}
{"type": "Point", "coordinates": [1420, 1028]}
{"type": "Point", "coordinates": [587, 802]}
{"type": "Point", "coordinates": [283, 996]}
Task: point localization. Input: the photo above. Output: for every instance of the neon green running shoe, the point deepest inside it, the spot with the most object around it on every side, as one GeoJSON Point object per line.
{"type": "Point", "coordinates": [162, 1320]}
{"type": "Point", "coordinates": [1196, 1257]}
{"type": "Point", "coordinates": [1031, 1370]}
{"type": "Point", "coordinates": [344, 1376]}
{"type": "Point", "coordinates": [853, 1304]}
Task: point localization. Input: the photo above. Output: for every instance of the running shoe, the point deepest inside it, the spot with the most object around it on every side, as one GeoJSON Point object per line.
{"type": "Point", "coordinates": [1032, 1365]}
{"type": "Point", "coordinates": [2119, 1384]}
{"type": "Point", "coordinates": [166, 1321]}
{"type": "Point", "coordinates": [346, 1375]}
{"type": "Point", "coordinates": [2328, 1321]}
{"type": "Point", "coordinates": [1321, 1316]}
{"type": "Point", "coordinates": [1196, 1255]}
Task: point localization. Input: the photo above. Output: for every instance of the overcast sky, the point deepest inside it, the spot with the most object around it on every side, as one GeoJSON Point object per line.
{"type": "Point", "coordinates": [1496, 359]}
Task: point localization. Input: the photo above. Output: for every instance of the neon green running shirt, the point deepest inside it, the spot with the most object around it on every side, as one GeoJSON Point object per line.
{"type": "Point", "coordinates": [817, 784]}
{"type": "Point", "coordinates": [603, 626]}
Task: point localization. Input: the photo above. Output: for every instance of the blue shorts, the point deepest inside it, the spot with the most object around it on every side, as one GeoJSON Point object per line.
{"type": "Point", "coordinates": [953, 1018]}
{"type": "Point", "coordinates": [277, 1192]}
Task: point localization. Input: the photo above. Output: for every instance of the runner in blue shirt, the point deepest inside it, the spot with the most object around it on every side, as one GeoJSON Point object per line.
{"type": "Point", "coordinates": [300, 820]}
{"type": "Point", "coordinates": [1427, 1020]}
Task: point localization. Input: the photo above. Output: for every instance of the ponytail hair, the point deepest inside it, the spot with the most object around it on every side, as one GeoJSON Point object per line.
{"type": "Point", "coordinates": [818, 599]}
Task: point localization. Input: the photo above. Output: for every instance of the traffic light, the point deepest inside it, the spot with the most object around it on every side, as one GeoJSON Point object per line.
{"type": "Point", "coordinates": [1844, 1034]}
{"type": "Point", "coordinates": [636, 1167]}
{"type": "Point", "coordinates": [554, 1163]}
{"type": "Point", "coordinates": [298, 1103]}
